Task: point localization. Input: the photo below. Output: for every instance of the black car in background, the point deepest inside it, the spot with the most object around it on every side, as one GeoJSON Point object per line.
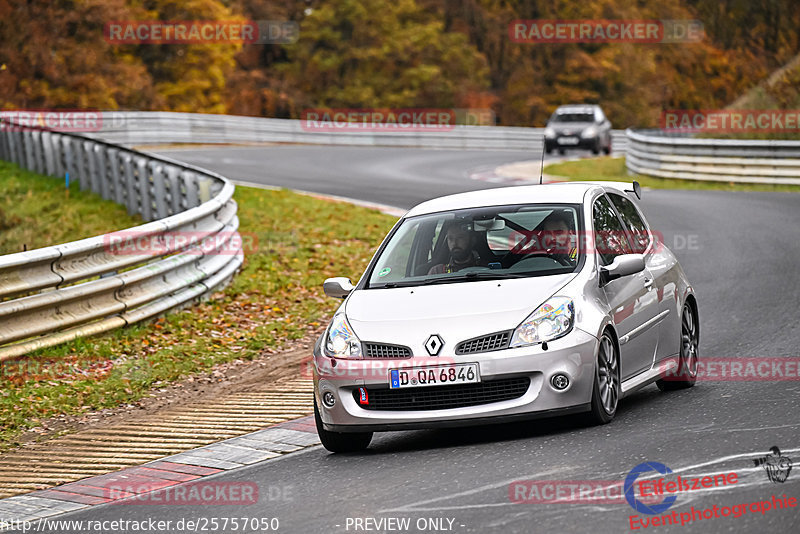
{"type": "Point", "coordinates": [578, 126]}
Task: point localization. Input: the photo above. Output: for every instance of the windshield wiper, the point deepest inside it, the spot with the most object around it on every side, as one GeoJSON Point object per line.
{"type": "Point", "coordinates": [472, 276]}
{"type": "Point", "coordinates": [466, 277]}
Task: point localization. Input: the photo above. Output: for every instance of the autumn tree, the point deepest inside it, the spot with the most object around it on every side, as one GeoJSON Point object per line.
{"type": "Point", "coordinates": [258, 86]}
{"type": "Point", "coordinates": [53, 55]}
{"type": "Point", "coordinates": [383, 53]}
{"type": "Point", "coordinates": [188, 77]}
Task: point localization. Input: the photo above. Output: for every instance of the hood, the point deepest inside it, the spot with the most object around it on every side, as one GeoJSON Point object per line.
{"type": "Point", "coordinates": [456, 312]}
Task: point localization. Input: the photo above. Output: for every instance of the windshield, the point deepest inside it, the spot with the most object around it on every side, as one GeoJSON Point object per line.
{"type": "Point", "coordinates": [572, 117]}
{"type": "Point", "coordinates": [479, 244]}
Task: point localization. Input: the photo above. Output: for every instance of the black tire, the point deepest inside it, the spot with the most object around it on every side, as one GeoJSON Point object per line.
{"type": "Point", "coordinates": [548, 150]}
{"type": "Point", "coordinates": [561, 151]}
{"type": "Point", "coordinates": [607, 149]}
{"type": "Point", "coordinates": [606, 375]}
{"type": "Point", "coordinates": [686, 375]}
{"type": "Point", "coordinates": [596, 148]}
{"type": "Point", "coordinates": [340, 441]}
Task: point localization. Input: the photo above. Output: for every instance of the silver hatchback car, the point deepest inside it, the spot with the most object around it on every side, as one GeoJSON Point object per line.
{"type": "Point", "coordinates": [505, 304]}
{"type": "Point", "coordinates": [578, 126]}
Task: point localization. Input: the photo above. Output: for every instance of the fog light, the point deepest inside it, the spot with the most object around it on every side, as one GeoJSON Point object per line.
{"type": "Point", "coordinates": [559, 381]}
{"type": "Point", "coordinates": [328, 399]}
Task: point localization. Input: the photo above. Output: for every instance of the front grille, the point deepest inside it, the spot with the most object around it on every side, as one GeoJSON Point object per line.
{"type": "Point", "coordinates": [488, 343]}
{"type": "Point", "coordinates": [382, 350]}
{"type": "Point", "coordinates": [443, 397]}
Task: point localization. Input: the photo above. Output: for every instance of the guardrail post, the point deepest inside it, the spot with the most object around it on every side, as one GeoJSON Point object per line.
{"type": "Point", "coordinates": [47, 150]}
{"type": "Point", "coordinates": [68, 143]}
{"type": "Point", "coordinates": [204, 189]}
{"type": "Point", "coordinates": [143, 185]}
{"type": "Point", "coordinates": [114, 176]}
{"type": "Point", "coordinates": [173, 189]}
{"type": "Point", "coordinates": [38, 153]}
{"type": "Point", "coordinates": [159, 191]}
{"type": "Point", "coordinates": [19, 148]}
{"type": "Point", "coordinates": [4, 152]}
{"type": "Point", "coordinates": [104, 170]}
{"type": "Point", "coordinates": [78, 161]}
{"type": "Point", "coordinates": [12, 147]}
{"type": "Point", "coordinates": [27, 145]}
{"type": "Point", "coordinates": [57, 150]}
{"type": "Point", "coordinates": [92, 166]}
{"type": "Point", "coordinates": [189, 188]}
{"type": "Point", "coordinates": [130, 183]}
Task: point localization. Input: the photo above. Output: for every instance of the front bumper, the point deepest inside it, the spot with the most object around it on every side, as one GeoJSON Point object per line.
{"type": "Point", "coordinates": [571, 141]}
{"type": "Point", "coordinates": [573, 355]}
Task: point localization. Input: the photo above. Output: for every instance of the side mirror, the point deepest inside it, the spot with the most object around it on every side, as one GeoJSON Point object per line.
{"type": "Point", "coordinates": [622, 266]}
{"type": "Point", "coordinates": [338, 287]}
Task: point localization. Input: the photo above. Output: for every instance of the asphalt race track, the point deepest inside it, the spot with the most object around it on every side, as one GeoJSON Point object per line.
{"type": "Point", "coordinates": [741, 252]}
{"type": "Point", "coordinates": [399, 177]}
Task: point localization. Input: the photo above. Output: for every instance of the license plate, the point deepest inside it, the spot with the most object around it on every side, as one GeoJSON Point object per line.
{"type": "Point", "coordinates": [567, 140]}
{"type": "Point", "coordinates": [434, 375]}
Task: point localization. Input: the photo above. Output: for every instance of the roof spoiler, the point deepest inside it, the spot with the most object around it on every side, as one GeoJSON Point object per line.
{"type": "Point", "coordinates": [622, 186]}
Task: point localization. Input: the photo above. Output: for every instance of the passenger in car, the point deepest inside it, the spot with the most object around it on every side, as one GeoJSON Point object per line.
{"type": "Point", "coordinates": [558, 234]}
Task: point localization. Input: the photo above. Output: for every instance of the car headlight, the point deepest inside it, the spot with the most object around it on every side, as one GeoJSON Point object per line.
{"type": "Point", "coordinates": [549, 132]}
{"type": "Point", "coordinates": [591, 131]}
{"type": "Point", "coordinates": [340, 340]}
{"type": "Point", "coordinates": [550, 321]}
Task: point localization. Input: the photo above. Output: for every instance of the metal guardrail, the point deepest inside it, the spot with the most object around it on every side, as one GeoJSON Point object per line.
{"type": "Point", "coordinates": [722, 160]}
{"type": "Point", "coordinates": [141, 128]}
{"type": "Point", "coordinates": [58, 293]}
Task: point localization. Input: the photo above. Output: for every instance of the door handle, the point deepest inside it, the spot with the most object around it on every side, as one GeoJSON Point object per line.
{"type": "Point", "coordinates": [648, 283]}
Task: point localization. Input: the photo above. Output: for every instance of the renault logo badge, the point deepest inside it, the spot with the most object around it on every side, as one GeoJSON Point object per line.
{"type": "Point", "coordinates": [434, 345]}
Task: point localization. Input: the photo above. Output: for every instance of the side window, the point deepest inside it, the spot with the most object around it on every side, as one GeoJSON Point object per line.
{"type": "Point", "coordinates": [640, 234]}
{"type": "Point", "coordinates": [610, 239]}
{"type": "Point", "coordinates": [431, 240]}
{"type": "Point", "coordinates": [393, 263]}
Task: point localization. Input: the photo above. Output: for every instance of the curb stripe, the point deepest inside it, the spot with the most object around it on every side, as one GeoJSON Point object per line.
{"type": "Point", "coordinates": [186, 467]}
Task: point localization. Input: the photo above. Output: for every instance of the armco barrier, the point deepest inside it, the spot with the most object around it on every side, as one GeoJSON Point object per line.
{"type": "Point", "coordinates": [723, 160]}
{"type": "Point", "coordinates": [142, 127]}
{"type": "Point", "coordinates": [61, 292]}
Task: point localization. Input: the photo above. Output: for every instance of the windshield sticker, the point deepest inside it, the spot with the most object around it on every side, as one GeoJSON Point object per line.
{"type": "Point", "coordinates": [385, 271]}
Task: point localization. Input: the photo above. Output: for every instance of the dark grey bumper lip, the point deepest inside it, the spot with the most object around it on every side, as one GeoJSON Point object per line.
{"type": "Point", "coordinates": [583, 143]}
{"type": "Point", "coordinates": [451, 423]}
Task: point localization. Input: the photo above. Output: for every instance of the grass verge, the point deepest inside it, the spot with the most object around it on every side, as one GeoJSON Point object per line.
{"type": "Point", "coordinates": [614, 169]}
{"type": "Point", "coordinates": [37, 211]}
{"type": "Point", "coordinates": [298, 241]}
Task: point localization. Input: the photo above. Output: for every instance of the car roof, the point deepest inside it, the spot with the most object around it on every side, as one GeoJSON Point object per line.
{"type": "Point", "coordinates": [552, 193]}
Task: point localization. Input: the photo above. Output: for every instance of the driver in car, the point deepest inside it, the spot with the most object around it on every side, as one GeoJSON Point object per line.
{"type": "Point", "coordinates": [461, 244]}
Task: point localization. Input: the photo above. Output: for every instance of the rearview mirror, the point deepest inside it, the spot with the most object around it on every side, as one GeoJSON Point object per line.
{"type": "Point", "coordinates": [488, 225]}
{"type": "Point", "coordinates": [623, 265]}
{"type": "Point", "coordinates": [338, 287]}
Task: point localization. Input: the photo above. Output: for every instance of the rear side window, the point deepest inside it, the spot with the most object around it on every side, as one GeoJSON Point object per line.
{"type": "Point", "coordinates": [640, 234]}
{"type": "Point", "coordinates": [610, 238]}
